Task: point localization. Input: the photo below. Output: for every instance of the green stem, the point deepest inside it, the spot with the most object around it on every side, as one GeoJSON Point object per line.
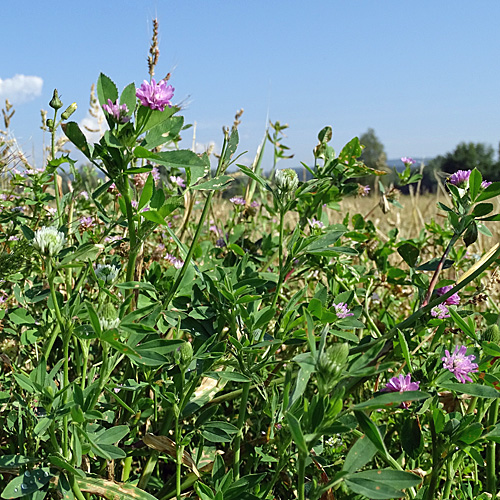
{"type": "Point", "coordinates": [206, 209]}
{"type": "Point", "coordinates": [281, 269]}
{"type": "Point", "coordinates": [52, 157]}
{"type": "Point", "coordinates": [67, 338]}
{"type": "Point", "coordinates": [240, 425]}
{"type": "Point", "coordinates": [301, 471]}
{"type": "Point", "coordinates": [450, 474]}
{"type": "Point", "coordinates": [436, 463]}
{"type": "Point", "coordinates": [179, 450]}
{"type": "Point", "coordinates": [491, 480]}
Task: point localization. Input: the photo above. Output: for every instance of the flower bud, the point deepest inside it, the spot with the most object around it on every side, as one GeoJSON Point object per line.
{"type": "Point", "coordinates": [491, 334]}
{"type": "Point", "coordinates": [287, 182]}
{"type": "Point", "coordinates": [330, 364]}
{"type": "Point", "coordinates": [106, 272]}
{"type": "Point", "coordinates": [109, 317]}
{"type": "Point", "coordinates": [69, 111]}
{"type": "Point", "coordinates": [186, 352]}
{"type": "Point", "coordinates": [50, 123]}
{"type": "Point", "coordinates": [55, 102]}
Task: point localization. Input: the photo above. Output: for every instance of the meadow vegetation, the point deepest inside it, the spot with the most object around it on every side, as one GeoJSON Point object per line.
{"type": "Point", "coordinates": [294, 339]}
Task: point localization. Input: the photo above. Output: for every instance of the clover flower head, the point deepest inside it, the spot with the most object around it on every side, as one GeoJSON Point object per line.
{"type": "Point", "coordinates": [179, 181]}
{"type": "Point", "coordinates": [84, 195]}
{"type": "Point", "coordinates": [402, 383]}
{"type": "Point", "coordinates": [109, 324]}
{"type": "Point", "coordinates": [238, 200]}
{"type": "Point", "coordinates": [87, 222]}
{"type": "Point", "coordinates": [106, 272]}
{"type": "Point", "coordinates": [408, 161]}
{"type": "Point", "coordinates": [174, 261]}
{"type": "Point", "coordinates": [117, 111]}
{"type": "Point", "coordinates": [220, 243]}
{"type": "Point", "coordinates": [342, 311]}
{"type": "Point", "coordinates": [155, 96]}
{"type": "Point", "coordinates": [440, 312]}
{"type": "Point", "coordinates": [48, 240]}
{"type": "Point", "coordinates": [314, 223]}
{"type": "Point", "coordinates": [363, 190]}
{"type": "Point", "coordinates": [459, 364]}
{"type": "Point", "coordinates": [460, 178]}
{"type": "Point", "coordinates": [255, 204]}
{"type": "Point", "coordinates": [452, 300]}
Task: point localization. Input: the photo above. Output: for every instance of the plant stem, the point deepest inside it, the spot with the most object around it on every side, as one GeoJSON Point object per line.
{"type": "Point", "coordinates": [301, 471]}
{"type": "Point", "coordinates": [241, 422]}
{"type": "Point", "coordinates": [281, 269]}
{"type": "Point", "coordinates": [436, 463]}
{"type": "Point", "coordinates": [491, 480]}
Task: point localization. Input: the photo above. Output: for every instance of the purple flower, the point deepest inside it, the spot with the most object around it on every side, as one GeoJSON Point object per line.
{"type": "Point", "coordinates": [134, 203]}
{"type": "Point", "coordinates": [440, 312]}
{"type": "Point", "coordinates": [177, 263]}
{"type": "Point", "coordinates": [84, 195]}
{"type": "Point", "coordinates": [460, 178]}
{"type": "Point", "coordinates": [485, 184]}
{"type": "Point", "coordinates": [87, 223]}
{"type": "Point", "coordinates": [177, 180]}
{"type": "Point", "coordinates": [155, 95]}
{"type": "Point", "coordinates": [116, 111]}
{"type": "Point", "coordinates": [156, 174]}
{"type": "Point", "coordinates": [459, 364]}
{"type": "Point", "coordinates": [407, 161]}
{"type": "Point", "coordinates": [314, 223]}
{"type": "Point", "coordinates": [220, 243]}
{"type": "Point", "coordinates": [453, 300]}
{"type": "Point", "coordinates": [401, 383]}
{"type": "Point", "coordinates": [363, 190]}
{"type": "Point", "coordinates": [238, 200]}
{"type": "Point", "coordinates": [342, 311]}
{"type": "Point", "coordinates": [254, 204]}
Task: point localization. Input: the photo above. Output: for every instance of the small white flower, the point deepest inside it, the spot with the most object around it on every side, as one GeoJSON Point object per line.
{"type": "Point", "coordinates": [109, 324]}
{"type": "Point", "coordinates": [48, 240]}
{"type": "Point", "coordinates": [287, 181]}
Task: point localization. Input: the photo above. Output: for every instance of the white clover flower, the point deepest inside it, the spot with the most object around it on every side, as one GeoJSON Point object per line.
{"type": "Point", "coordinates": [48, 240]}
{"type": "Point", "coordinates": [106, 272]}
{"type": "Point", "coordinates": [287, 181]}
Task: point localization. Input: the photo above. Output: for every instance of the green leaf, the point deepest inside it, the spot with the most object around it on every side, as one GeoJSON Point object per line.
{"type": "Point", "coordinates": [85, 252]}
{"type": "Point", "coordinates": [136, 285]}
{"type": "Point", "coordinates": [433, 264]}
{"type": "Point", "coordinates": [412, 440]}
{"type": "Point", "coordinates": [111, 435]}
{"type": "Point", "coordinates": [462, 324]}
{"type": "Point", "coordinates": [77, 137]}
{"type": "Point", "coordinates": [106, 89]}
{"type": "Point", "coordinates": [381, 484]}
{"type": "Point", "coordinates": [94, 319]}
{"type": "Point", "coordinates": [147, 192]}
{"type": "Point", "coordinates": [404, 349]}
{"type": "Point", "coordinates": [409, 253]}
{"type": "Point", "coordinates": [391, 399]}
{"type": "Point", "coordinates": [60, 463]}
{"type": "Point", "coordinates": [481, 391]}
{"type": "Point", "coordinates": [475, 180]}
{"type": "Point", "coordinates": [471, 433]}
{"type": "Point", "coordinates": [297, 434]}
{"type": "Point", "coordinates": [27, 483]}
{"type": "Point", "coordinates": [111, 489]}
{"type": "Point", "coordinates": [482, 209]}
{"type": "Point", "coordinates": [128, 97]}
{"type": "Point", "coordinates": [15, 461]}
{"type": "Point", "coordinates": [147, 118]}
{"type": "Point", "coordinates": [372, 431]}
{"type": "Point", "coordinates": [490, 192]}
{"type": "Point", "coordinates": [216, 184]}
{"type": "Point", "coordinates": [163, 133]}
{"type": "Point", "coordinates": [361, 452]}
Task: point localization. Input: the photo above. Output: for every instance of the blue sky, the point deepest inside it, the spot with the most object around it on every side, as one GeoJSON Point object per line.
{"type": "Point", "coordinates": [424, 75]}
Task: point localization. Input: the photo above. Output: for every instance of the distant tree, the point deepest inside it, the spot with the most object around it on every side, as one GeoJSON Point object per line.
{"type": "Point", "coordinates": [373, 155]}
{"type": "Point", "coordinates": [469, 155]}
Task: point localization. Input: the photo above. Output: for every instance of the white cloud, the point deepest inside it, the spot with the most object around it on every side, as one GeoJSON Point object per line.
{"type": "Point", "coordinates": [20, 88]}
